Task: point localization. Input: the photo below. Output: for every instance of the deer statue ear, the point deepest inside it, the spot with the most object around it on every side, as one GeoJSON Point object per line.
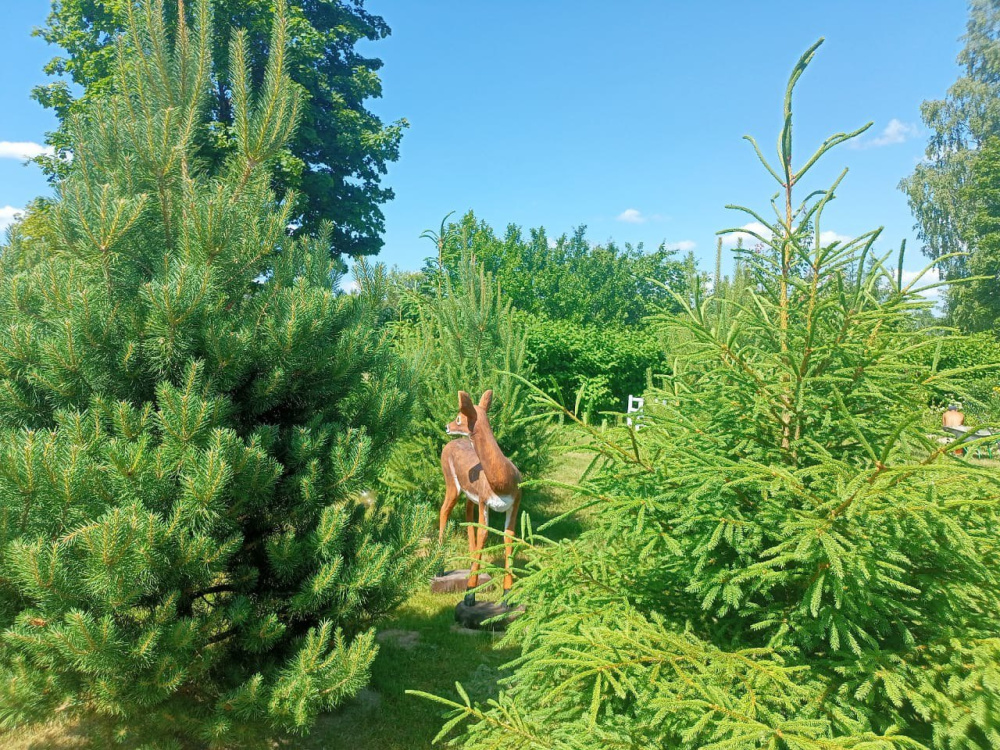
{"type": "Point", "coordinates": [486, 400]}
{"type": "Point", "coordinates": [465, 405]}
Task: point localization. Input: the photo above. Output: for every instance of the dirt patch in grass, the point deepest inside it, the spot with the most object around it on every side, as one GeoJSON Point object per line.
{"type": "Point", "coordinates": [67, 734]}
{"type": "Point", "coordinates": [405, 639]}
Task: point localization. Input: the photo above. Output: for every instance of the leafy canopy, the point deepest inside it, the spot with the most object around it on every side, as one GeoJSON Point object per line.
{"type": "Point", "coordinates": [582, 305]}
{"type": "Point", "coordinates": [566, 278]}
{"type": "Point", "coordinates": [960, 125]}
{"type": "Point", "coordinates": [338, 154]}
{"type": "Point", "coordinates": [976, 304]}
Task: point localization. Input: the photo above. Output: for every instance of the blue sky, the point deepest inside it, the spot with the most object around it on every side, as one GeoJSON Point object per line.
{"type": "Point", "coordinates": [625, 116]}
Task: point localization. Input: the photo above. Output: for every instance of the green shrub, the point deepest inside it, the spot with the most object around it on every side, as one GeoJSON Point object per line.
{"type": "Point", "coordinates": [189, 415]}
{"type": "Point", "coordinates": [600, 365]}
{"type": "Point", "coordinates": [583, 305]}
{"type": "Point", "coordinates": [979, 354]}
{"type": "Point", "coordinates": [780, 558]}
{"type": "Point", "coordinates": [977, 358]}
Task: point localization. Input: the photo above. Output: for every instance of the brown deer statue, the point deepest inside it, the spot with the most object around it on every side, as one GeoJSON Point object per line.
{"type": "Point", "coordinates": [475, 466]}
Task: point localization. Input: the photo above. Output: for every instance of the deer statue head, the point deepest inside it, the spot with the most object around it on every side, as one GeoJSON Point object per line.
{"type": "Point", "coordinates": [469, 414]}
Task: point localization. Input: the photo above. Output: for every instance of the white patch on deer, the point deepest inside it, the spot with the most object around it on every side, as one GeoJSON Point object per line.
{"type": "Point", "coordinates": [501, 503]}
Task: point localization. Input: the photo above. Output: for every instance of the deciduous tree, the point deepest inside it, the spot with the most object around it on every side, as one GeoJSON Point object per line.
{"type": "Point", "coordinates": [976, 304]}
{"type": "Point", "coordinates": [568, 277]}
{"type": "Point", "coordinates": [339, 152]}
{"type": "Point", "coordinates": [960, 124]}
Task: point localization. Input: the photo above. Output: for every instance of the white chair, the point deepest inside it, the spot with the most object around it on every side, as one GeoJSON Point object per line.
{"type": "Point", "coordinates": [635, 403]}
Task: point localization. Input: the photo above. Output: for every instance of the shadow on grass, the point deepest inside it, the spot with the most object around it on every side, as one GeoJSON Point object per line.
{"type": "Point", "coordinates": [566, 527]}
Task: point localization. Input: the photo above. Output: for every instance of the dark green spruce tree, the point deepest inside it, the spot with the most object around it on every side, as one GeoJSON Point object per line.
{"type": "Point", "coordinates": [782, 558]}
{"type": "Point", "coordinates": [190, 414]}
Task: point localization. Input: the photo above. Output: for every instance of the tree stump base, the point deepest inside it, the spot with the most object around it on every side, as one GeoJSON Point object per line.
{"type": "Point", "coordinates": [475, 615]}
{"type": "Point", "coordinates": [454, 582]}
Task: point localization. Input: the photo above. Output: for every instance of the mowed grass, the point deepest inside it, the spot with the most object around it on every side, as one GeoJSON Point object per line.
{"type": "Point", "coordinates": [421, 648]}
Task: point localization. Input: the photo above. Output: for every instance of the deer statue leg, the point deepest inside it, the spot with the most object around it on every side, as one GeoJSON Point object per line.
{"type": "Point", "coordinates": [508, 547]}
{"type": "Point", "coordinates": [451, 493]}
{"type": "Point", "coordinates": [470, 518]}
{"type": "Point", "coordinates": [477, 551]}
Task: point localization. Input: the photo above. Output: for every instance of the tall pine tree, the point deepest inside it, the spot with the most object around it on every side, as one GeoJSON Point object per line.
{"type": "Point", "coordinates": [189, 414]}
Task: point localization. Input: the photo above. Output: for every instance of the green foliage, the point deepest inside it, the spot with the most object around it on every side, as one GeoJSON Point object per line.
{"type": "Point", "coordinates": [965, 352]}
{"type": "Point", "coordinates": [599, 366]}
{"type": "Point", "coordinates": [401, 300]}
{"type": "Point", "coordinates": [564, 279]}
{"type": "Point", "coordinates": [977, 357]}
{"type": "Point", "coordinates": [976, 304]}
{"type": "Point", "coordinates": [189, 414]}
{"type": "Point", "coordinates": [581, 305]}
{"type": "Point", "coordinates": [465, 338]}
{"type": "Point", "coordinates": [960, 124]}
{"type": "Point", "coordinates": [339, 152]}
{"type": "Point", "coordinates": [781, 558]}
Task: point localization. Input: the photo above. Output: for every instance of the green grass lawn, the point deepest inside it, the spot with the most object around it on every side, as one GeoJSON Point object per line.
{"type": "Point", "coordinates": [421, 648]}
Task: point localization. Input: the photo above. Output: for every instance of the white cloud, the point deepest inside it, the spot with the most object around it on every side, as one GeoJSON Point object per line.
{"type": "Point", "coordinates": [731, 239]}
{"type": "Point", "coordinates": [22, 150]}
{"type": "Point", "coordinates": [895, 132]}
{"type": "Point", "coordinates": [931, 277]}
{"type": "Point", "coordinates": [684, 245]}
{"type": "Point", "coordinates": [351, 287]}
{"type": "Point", "coordinates": [7, 216]}
{"type": "Point", "coordinates": [829, 237]}
{"type": "Point", "coordinates": [631, 216]}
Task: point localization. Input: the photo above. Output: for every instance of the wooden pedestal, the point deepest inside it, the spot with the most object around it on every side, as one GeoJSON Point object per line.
{"type": "Point", "coordinates": [454, 582]}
